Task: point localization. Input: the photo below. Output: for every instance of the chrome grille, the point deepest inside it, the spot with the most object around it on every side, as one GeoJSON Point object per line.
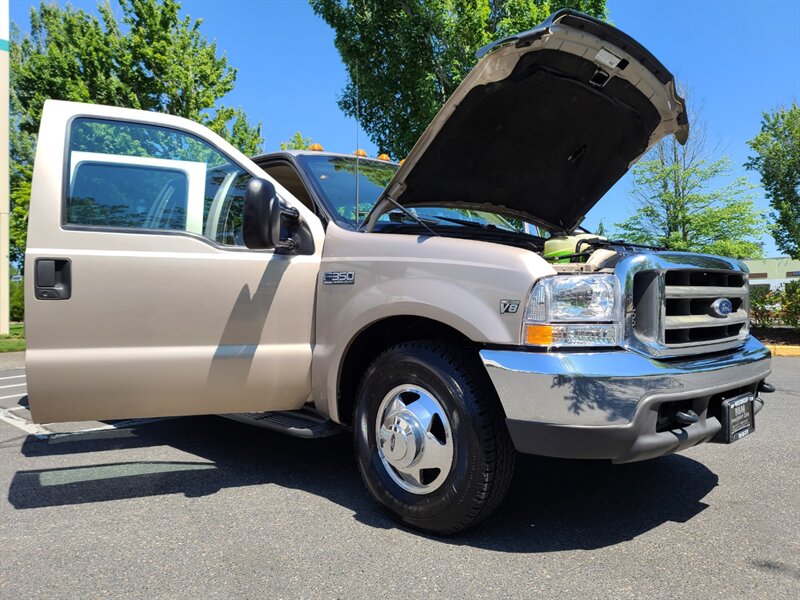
{"type": "Point", "coordinates": [670, 302]}
{"type": "Point", "coordinates": [689, 316]}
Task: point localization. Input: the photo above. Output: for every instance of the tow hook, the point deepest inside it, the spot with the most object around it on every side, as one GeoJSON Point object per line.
{"type": "Point", "coordinates": [765, 387]}
{"type": "Point", "coordinates": [686, 417]}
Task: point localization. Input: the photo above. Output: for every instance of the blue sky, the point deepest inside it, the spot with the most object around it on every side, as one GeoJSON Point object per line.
{"type": "Point", "coordinates": [738, 57]}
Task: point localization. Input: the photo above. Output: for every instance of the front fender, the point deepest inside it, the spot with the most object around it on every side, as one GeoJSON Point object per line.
{"type": "Point", "coordinates": [459, 283]}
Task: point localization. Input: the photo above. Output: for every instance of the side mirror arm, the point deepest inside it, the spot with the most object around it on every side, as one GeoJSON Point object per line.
{"type": "Point", "coordinates": [284, 222]}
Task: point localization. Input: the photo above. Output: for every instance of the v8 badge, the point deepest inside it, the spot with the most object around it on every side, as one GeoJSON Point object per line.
{"type": "Point", "coordinates": [509, 306]}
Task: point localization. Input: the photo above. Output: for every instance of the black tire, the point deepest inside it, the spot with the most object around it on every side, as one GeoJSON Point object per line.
{"type": "Point", "coordinates": [483, 456]}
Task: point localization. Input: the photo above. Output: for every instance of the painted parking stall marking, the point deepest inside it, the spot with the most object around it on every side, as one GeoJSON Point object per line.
{"type": "Point", "coordinates": [13, 386]}
{"type": "Point", "coordinates": [23, 424]}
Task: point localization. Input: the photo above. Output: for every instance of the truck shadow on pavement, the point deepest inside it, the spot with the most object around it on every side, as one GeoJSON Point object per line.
{"type": "Point", "coordinates": [553, 505]}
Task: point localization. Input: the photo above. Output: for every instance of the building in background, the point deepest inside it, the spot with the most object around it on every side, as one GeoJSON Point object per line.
{"type": "Point", "coordinates": [773, 272]}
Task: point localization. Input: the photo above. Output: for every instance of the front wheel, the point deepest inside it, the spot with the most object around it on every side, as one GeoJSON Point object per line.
{"type": "Point", "coordinates": [431, 439]}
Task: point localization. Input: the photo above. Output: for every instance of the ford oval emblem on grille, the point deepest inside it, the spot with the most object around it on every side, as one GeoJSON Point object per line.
{"type": "Point", "coordinates": [721, 307]}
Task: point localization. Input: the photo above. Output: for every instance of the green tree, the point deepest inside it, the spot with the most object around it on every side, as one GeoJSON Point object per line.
{"type": "Point", "coordinates": [296, 142]}
{"type": "Point", "coordinates": [601, 230]}
{"type": "Point", "coordinates": [790, 305]}
{"type": "Point", "coordinates": [404, 59]}
{"type": "Point", "coordinates": [151, 59]}
{"type": "Point", "coordinates": [16, 299]}
{"type": "Point", "coordinates": [777, 159]}
{"type": "Point", "coordinates": [680, 204]}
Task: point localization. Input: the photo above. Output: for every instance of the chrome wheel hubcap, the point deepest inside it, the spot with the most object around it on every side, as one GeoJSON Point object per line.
{"type": "Point", "coordinates": [414, 438]}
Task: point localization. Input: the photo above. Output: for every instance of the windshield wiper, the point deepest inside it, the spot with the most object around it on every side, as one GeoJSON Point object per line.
{"type": "Point", "coordinates": [398, 217]}
{"type": "Point", "coordinates": [468, 223]}
{"type": "Point", "coordinates": [408, 213]}
{"type": "Point", "coordinates": [463, 222]}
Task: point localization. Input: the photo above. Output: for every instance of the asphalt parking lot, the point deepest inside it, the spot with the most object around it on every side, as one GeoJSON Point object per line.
{"type": "Point", "coordinates": [205, 507]}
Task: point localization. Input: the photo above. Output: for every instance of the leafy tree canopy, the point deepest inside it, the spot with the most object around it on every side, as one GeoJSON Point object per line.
{"type": "Point", "coordinates": [680, 205]}
{"type": "Point", "coordinates": [297, 142]}
{"type": "Point", "coordinates": [405, 58]}
{"type": "Point", "coordinates": [152, 60]}
{"type": "Point", "coordinates": [777, 158]}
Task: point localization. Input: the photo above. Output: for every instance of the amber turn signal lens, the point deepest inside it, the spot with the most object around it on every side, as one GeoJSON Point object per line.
{"type": "Point", "coordinates": [315, 147]}
{"type": "Point", "coordinates": [360, 152]}
{"type": "Point", "coordinates": [383, 157]}
{"type": "Point", "coordinates": [540, 335]}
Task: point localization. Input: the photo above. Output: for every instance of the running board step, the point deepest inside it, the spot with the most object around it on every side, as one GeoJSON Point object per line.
{"type": "Point", "coordinates": [303, 423]}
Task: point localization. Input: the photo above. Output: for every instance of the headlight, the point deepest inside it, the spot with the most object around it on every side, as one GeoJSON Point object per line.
{"type": "Point", "coordinates": [574, 310]}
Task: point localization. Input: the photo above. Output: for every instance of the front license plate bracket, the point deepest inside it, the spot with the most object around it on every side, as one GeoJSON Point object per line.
{"type": "Point", "coordinates": [738, 418]}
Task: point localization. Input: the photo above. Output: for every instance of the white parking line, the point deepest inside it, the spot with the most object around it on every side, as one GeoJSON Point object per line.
{"type": "Point", "coordinates": [13, 377]}
{"type": "Point", "coordinates": [40, 432]}
{"type": "Point", "coordinates": [20, 395]}
{"type": "Point", "coordinates": [26, 426]}
{"type": "Point", "coordinates": [5, 387]}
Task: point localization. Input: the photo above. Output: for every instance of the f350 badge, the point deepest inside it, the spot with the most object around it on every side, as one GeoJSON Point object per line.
{"type": "Point", "coordinates": [339, 278]}
{"type": "Point", "coordinates": [509, 306]}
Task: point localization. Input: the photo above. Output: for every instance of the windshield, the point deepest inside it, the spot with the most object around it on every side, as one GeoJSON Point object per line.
{"type": "Point", "coordinates": [335, 177]}
{"type": "Point", "coordinates": [465, 217]}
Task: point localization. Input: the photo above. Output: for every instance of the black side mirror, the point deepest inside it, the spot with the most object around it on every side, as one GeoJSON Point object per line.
{"type": "Point", "coordinates": [266, 222]}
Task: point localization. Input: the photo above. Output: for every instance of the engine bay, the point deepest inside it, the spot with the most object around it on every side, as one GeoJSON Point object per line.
{"type": "Point", "coordinates": [580, 252]}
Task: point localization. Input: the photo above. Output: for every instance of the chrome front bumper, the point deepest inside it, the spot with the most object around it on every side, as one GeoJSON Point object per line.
{"type": "Point", "coordinates": [605, 404]}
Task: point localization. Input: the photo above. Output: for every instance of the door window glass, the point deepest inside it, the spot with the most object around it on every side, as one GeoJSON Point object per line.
{"type": "Point", "coordinates": [150, 178]}
{"type": "Point", "coordinates": [118, 195]}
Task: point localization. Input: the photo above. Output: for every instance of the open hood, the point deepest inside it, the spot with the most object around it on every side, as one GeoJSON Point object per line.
{"type": "Point", "coordinates": [542, 127]}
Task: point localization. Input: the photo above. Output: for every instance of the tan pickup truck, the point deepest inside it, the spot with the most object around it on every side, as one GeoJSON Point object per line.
{"type": "Point", "coordinates": [418, 306]}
